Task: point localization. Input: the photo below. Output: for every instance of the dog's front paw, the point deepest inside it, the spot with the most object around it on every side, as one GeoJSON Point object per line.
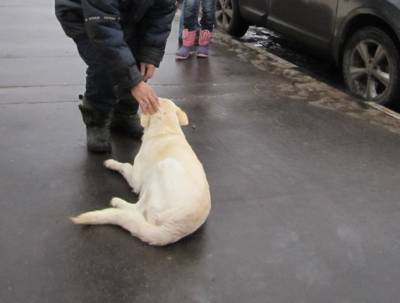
{"type": "Point", "coordinates": [122, 204]}
{"type": "Point", "coordinates": [111, 164]}
{"type": "Point", "coordinates": [114, 202]}
{"type": "Point", "coordinates": [117, 202]}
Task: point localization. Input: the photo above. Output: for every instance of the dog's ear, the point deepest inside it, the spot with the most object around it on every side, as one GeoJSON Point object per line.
{"type": "Point", "coordinates": [144, 120]}
{"type": "Point", "coordinates": [182, 117]}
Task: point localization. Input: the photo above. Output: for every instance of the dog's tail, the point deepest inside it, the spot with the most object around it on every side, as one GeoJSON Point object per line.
{"type": "Point", "coordinates": [134, 222]}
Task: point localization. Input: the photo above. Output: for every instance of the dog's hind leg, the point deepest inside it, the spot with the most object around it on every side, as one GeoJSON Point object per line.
{"type": "Point", "coordinates": [125, 169]}
{"type": "Point", "coordinates": [113, 216]}
{"type": "Point", "coordinates": [104, 216]}
{"type": "Point", "coordinates": [132, 221]}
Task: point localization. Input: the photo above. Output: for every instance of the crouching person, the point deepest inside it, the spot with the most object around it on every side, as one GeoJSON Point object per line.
{"type": "Point", "coordinates": [122, 43]}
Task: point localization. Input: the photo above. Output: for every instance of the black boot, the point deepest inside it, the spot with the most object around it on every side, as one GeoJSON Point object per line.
{"type": "Point", "coordinates": [128, 124]}
{"type": "Point", "coordinates": [97, 128]}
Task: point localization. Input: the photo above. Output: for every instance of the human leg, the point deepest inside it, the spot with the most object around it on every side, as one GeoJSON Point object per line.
{"type": "Point", "coordinates": [207, 26]}
{"type": "Point", "coordinates": [190, 20]}
{"type": "Point", "coordinates": [99, 98]}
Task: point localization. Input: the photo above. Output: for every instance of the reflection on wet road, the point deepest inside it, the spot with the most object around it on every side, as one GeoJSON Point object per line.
{"type": "Point", "coordinates": [319, 68]}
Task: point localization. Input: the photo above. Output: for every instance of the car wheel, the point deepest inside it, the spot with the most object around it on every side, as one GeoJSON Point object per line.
{"type": "Point", "coordinates": [371, 66]}
{"type": "Point", "coordinates": [228, 18]}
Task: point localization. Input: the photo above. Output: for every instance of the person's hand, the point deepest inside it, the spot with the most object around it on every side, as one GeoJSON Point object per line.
{"type": "Point", "coordinates": [147, 70]}
{"type": "Point", "coordinates": [146, 97]}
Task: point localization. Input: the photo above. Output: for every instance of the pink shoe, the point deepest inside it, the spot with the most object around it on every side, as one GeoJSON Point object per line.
{"type": "Point", "coordinates": [204, 41]}
{"type": "Point", "coordinates": [188, 39]}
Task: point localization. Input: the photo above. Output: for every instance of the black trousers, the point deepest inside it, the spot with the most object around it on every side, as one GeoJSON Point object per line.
{"type": "Point", "coordinates": [102, 93]}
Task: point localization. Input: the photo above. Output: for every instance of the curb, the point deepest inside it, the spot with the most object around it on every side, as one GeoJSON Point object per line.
{"type": "Point", "coordinates": [383, 109]}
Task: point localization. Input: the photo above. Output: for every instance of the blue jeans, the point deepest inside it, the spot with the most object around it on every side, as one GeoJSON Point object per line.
{"type": "Point", "coordinates": [181, 21]}
{"type": "Point", "coordinates": [190, 15]}
{"type": "Point", "coordinates": [102, 92]}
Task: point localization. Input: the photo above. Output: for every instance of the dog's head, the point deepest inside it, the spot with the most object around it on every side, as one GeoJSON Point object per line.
{"type": "Point", "coordinates": [169, 115]}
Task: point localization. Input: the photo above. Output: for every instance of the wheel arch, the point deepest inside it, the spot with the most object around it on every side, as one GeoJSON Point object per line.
{"type": "Point", "coordinates": [357, 20]}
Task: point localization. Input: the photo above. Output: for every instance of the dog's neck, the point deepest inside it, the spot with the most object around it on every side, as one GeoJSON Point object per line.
{"type": "Point", "coordinates": [151, 133]}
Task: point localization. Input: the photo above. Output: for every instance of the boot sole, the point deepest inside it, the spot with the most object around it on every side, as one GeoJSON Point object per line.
{"type": "Point", "coordinates": [184, 58]}
{"type": "Point", "coordinates": [181, 58]}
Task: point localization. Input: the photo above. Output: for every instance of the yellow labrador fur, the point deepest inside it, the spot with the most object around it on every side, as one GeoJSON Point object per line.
{"type": "Point", "coordinates": [174, 196]}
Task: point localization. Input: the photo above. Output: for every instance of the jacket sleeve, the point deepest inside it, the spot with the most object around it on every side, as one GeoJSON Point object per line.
{"type": "Point", "coordinates": [155, 28]}
{"type": "Point", "coordinates": [104, 30]}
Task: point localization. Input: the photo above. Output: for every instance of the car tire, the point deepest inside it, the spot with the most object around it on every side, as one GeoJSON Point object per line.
{"type": "Point", "coordinates": [371, 66]}
{"type": "Point", "coordinates": [228, 18]}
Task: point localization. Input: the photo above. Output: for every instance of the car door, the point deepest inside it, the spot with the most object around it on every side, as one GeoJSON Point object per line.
{"type": "Point", "coordinates": [254, 10]}
{"type": "Point", "coordinates": [311, 21]}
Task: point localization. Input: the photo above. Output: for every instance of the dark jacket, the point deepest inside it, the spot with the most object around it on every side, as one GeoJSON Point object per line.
{"type": "Point", "coordinates": [126, 32]}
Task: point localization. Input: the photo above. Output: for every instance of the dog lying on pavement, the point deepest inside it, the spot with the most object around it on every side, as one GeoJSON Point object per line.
{"type": "Point", "coordinates": [174, 196]}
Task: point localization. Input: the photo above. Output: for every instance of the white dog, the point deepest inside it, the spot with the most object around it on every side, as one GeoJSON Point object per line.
{"type": "Point", "coordinates": [174, 199]}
